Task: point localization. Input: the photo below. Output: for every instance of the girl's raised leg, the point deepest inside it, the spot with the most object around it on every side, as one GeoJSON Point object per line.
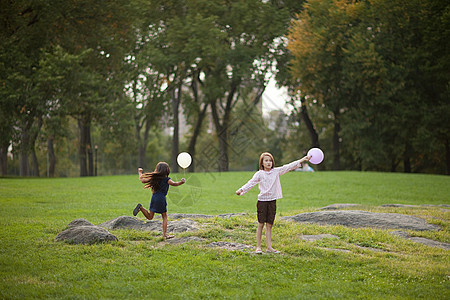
{"type": "Point", "coordinates": [147, 213]}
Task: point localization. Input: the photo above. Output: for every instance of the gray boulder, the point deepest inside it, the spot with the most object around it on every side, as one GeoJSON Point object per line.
{"type": "Point", "coordinates": [86, 234]}
{"type": "Point", "coordinates": [126, 222]}
{"type": "Point", "coordinates": [339, 206]}
{"type": "Point", "coordinates": [200, 216]}
{"type": "Point", "coordinates": [357, 218]}
{"type": "Point", "coordinates": [80, 222]}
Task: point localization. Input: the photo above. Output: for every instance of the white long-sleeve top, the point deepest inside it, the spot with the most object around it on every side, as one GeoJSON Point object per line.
{"type": "Point", "coordinates": [269, 182]}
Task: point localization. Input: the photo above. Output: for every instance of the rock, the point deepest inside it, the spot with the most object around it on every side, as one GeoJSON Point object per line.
{"type": "Point", "coordinates": [181, 226]}
{"type": "Point", "coordinates": [412, 206]}
{"type": "Point", "coordinates": [186, 239]}
{"type": "Point", "coordinates": [431, 243]}
{"type": "Point", "coordinates": [338, 206]}
{"type": "Point", "coordinates": [188, 216]}
{"type": "Point", "coordinates": [126, 222]}
{"type": "Point", "coordinates": [400, 205]}
{"type": "Point", "coordinates": [421, 240]}
{"type": "Point", "coordinates": [312, 238]}
{"type": "Point", "coordinates": [86, 234]}
{"type": "Point", "coordinates": [400, 233]}
{"type": "Point", "coordinates": [200, 216]}
{"type": "Point", "coordinates": [357, 218]}
{"type": "Point", "coordinates": [231, 246]}
{"type": "Point", "coordinates": [80, 222]}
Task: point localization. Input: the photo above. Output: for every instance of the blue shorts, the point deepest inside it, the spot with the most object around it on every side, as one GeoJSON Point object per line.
{"type": "Point", "coordinates": [158, 204]}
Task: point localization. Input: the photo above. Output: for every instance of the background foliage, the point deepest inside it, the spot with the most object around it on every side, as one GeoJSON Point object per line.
{"type": "Point", "coordinates": [89, 88]}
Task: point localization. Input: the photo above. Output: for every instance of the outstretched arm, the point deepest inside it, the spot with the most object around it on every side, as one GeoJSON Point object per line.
{"type": "Point", "coordinates": [305, 158]}
{"type": "Point", "coordinates": [293, 165]}
{"type": "Point", "coordinates": [251, 183]}
{"type": "Point", "coordinates": [140, 170]}
{"type": "Point", "coordinates": [173, 183]}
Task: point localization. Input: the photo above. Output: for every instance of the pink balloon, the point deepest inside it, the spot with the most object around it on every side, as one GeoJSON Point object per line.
{"type": "Point", "coordinates": [316, 156]}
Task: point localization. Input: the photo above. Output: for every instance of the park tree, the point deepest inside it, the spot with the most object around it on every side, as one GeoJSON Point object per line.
{"type": "Point", "coordinates": [212, 49]}
{"type": "Point", "coordinates": [378, 80]}
{"type": "Point", "coordinates": [33, 30]}
{"type": "Point", "coordinates": [23, 35]}
{"type": "Point", "coordinates": [102, 32]}
{"type": "Point", "coordinates": [393, 90]}
{"type": "Point", "coordinates": [317, 42]}
{"type": "Point", "coordinates": [236, 60]}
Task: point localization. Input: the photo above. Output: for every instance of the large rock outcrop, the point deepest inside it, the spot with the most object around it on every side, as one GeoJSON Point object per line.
{"type": "Point", "coordinates": [80, 231]}
{"type": "Point", "coordinates": [358, 218]}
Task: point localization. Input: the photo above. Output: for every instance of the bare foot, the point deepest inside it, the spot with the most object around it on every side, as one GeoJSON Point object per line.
{"type": "Point", "coordinates": [271, 250]}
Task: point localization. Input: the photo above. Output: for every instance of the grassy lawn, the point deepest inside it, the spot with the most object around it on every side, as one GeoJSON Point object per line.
{"type": "Point", "coordinates": [140, 265]}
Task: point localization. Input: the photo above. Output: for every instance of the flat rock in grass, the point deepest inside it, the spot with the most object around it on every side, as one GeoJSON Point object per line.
{"type": "Point", "coordinates": [431, 243]}
{"type": "Point", "coordinates": [127, 222]}
{"type": "Point", "coordinates": [339, 206]}
{"type": "Point", "coordinates": [186, 239]}
{"type": "Point", "coordinates": [421, 240]}
{"type": "Point", "coordinates": [413, 206]}
{"type": "Point", "coordinates": [231, 246]}
{"type": "Point", "coordinates": [358, 219]}
{"type": "Point", "coordinates": [200, 216]}
{"type": "Point", "coordinates": [83, 234]}
{"type": "Point", "coordinates": [316, 237]}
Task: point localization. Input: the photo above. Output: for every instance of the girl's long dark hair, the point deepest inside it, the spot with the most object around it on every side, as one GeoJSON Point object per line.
{"type": "Point", "coordinates": [153, 180]}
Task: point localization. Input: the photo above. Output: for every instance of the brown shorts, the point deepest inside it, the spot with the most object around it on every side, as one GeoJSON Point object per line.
{"type": "Point", "coordinates": [266, 211]}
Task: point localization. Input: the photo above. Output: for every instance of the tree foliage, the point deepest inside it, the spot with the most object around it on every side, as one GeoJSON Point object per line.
{"type": "Point", "coordinates": [372, 65]}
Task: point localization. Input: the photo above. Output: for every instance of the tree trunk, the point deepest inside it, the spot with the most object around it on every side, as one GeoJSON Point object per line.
{"type": "Point", "coordinates": [407, 159]}
{"type": "Point", "coordinates": [176, 127]}
{"type": "Point", "coordinates": [35, 163]}
{"type": "Point", "coordinates": [336, 146]}
{"type": "Point", "coordinates": [90, 155]}
{"type": "Point", "coordinates": [447, 155]}
{"type": "Point", "coordinates": [51, 157]}
{"type": "Point", "coordinates": [309, 125]}
{"type": "Point", "coordinates": [223, 149]}
{"type": "Point", "coordinates": [33, 138]}
{"type": "Point", "coordinates": [195, 135]}
{"type": "Point", "coordinates": [394, 163]}
{"type": "Point", "coordinates": [223, 129]}
{"type": "Point", "coordinates": [142, 142]}
{"type": "Point", "coordinates": [23, 153]}
{"type": "Point", "coordinates": [4, 159]}
{"type": "Point", "coordinates": [83, 146]}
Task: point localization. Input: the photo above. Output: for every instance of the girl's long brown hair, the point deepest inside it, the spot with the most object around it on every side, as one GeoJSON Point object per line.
{"type": "Point", "coordinates": [153, 180]}
{"type": "Point", "coordinates": [261, 158]}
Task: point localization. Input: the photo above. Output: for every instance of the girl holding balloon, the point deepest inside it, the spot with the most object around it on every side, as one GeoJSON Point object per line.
{"type": "Point", "coordinates": [159, 181]}
{"type": "Point", "coordinates": [268, 178]}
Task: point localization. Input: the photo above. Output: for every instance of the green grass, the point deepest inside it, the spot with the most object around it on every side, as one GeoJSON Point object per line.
{"type": "Point", "coordinates": [34, 211]}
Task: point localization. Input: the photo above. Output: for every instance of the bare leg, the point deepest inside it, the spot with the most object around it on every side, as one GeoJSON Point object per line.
{"type": "Point", "coordinates": [269, 236]}
{"type": "Point", "coordinates": [259, 236]}
{"type": "Point", "coordinates": [269, 239]}
{"type": "Point", "coordinates": [148, 214]}
{"type": "Point", "coordinates": [164, 227]}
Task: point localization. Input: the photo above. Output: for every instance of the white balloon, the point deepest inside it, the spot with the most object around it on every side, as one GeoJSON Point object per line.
{"type": "Point", "coordinates": [184, 160]}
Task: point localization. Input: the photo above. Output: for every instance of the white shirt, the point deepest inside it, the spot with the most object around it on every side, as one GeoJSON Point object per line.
{"type": "Point", "coordinates": [269, 182]}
